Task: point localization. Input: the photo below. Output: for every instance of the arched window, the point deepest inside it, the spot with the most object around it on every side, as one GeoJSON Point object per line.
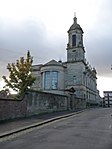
{"type": "Point", "coordinates": [73, 40]}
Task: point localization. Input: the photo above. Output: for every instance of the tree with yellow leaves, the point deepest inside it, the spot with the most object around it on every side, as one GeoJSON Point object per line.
{"type": "Point", "coordinates": [20, 77]}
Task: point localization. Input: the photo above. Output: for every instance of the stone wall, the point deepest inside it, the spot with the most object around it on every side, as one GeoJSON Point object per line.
{"type": "Point", "coordinates": [36, 103]}
{"type": "Point", "coordinates": [41, 102]}
{"type": "Point", "coordinates": [77, 103]}
{"type": "Point", "coordinates": [10, 109]}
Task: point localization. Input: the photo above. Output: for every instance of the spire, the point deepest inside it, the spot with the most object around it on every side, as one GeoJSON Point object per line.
{"type": "Point", "coordinates": [75, 18]}
{"type": "Point", "coordinates": [75, 26]}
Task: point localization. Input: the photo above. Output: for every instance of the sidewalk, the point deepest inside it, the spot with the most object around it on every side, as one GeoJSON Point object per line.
{"type": "Point", "coordinates": [13, 125]}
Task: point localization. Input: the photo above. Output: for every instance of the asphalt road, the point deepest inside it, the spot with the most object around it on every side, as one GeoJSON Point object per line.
{"type": "Point", "coordinates": [91, 129]}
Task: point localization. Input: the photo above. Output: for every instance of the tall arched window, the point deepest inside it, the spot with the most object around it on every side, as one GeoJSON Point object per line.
{"type": "Point", "coordinates": [73, 40]}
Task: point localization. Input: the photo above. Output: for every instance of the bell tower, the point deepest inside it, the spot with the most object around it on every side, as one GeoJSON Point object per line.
{"type": "Point", "coordinates": [75, 48]}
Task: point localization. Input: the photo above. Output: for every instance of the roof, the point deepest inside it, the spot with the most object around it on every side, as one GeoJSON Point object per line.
{"type": "Point", "coordinates": [75, 26]}
{"type": "Point", "coordinates": [53, 62]}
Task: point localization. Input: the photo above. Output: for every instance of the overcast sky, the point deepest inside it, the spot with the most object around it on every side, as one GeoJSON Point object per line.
{"type": "Point", "coordinates": [41, 26]}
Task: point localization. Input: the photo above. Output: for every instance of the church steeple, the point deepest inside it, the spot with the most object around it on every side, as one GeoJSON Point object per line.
{"type": "Point", "coordinates": [75, 48]}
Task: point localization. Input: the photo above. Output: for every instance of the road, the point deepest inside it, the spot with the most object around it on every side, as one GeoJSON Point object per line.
{"type": "Point", "coordinates": [91, 129]}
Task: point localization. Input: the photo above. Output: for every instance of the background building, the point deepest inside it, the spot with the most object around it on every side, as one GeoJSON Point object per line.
{"type": "Point", "coordinates": [74, 75]}
{"type": "Point", "coordinates": [108, 98]}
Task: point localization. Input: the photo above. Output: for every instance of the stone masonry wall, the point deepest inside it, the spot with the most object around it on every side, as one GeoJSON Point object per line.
{"type": "Point", "coordinates": [78, 103]}
{"type": "Point", "coordinates": [10, 109]}
{"type": "Point", "coordinates": [36, 103]}
{"type": "Point", "coordinates": [41, 102]}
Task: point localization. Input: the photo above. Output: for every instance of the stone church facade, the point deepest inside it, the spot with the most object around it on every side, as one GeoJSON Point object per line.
{"type": "Point", "coordinates": [75, 76]}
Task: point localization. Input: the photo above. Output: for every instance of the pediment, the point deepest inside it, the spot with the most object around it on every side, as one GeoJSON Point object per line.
{"type": "Point", "coordinates": [53, 62]}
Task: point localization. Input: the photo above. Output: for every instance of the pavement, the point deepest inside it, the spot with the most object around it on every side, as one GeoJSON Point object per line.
{"type": "Point", "coordinates": [17, 125]}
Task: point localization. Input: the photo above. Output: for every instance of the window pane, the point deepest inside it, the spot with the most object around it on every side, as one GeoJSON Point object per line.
{"type": "Point", "coordinates": [54, 81]}
{"type": "Point", "coordinates": [47, 80]}
{"type": "Point", "coordinates": [51, 80]}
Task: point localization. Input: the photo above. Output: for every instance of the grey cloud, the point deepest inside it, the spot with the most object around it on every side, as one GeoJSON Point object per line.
{"type": "Point", "coordinates": [99, 52]}
{"type": "Point", "coordinates": [98, 41]}
{"type": "Point", "coordinates": [28, 34]}
{"type": "Point", "coordinates": [16, 40]}
{"type": "Point", "coordinates": [31, 35]}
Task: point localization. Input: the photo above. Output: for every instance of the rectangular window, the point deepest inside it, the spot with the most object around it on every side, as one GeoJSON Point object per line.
{"type": "Point", "coordinates": [51, 80]}
{"type": "Point", "coordinates": [73, 40]}
{"type": "Point", "coordinates": [47, 80]}
{"type": "Point", "coordinates": [54, 81]}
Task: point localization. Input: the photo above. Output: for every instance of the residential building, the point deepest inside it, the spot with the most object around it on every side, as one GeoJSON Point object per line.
{"type": "Point", "coordinates": [108, 98]}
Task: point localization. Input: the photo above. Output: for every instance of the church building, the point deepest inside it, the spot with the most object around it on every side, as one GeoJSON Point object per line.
{"type": "Point", "coordinates": [74, 76]}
